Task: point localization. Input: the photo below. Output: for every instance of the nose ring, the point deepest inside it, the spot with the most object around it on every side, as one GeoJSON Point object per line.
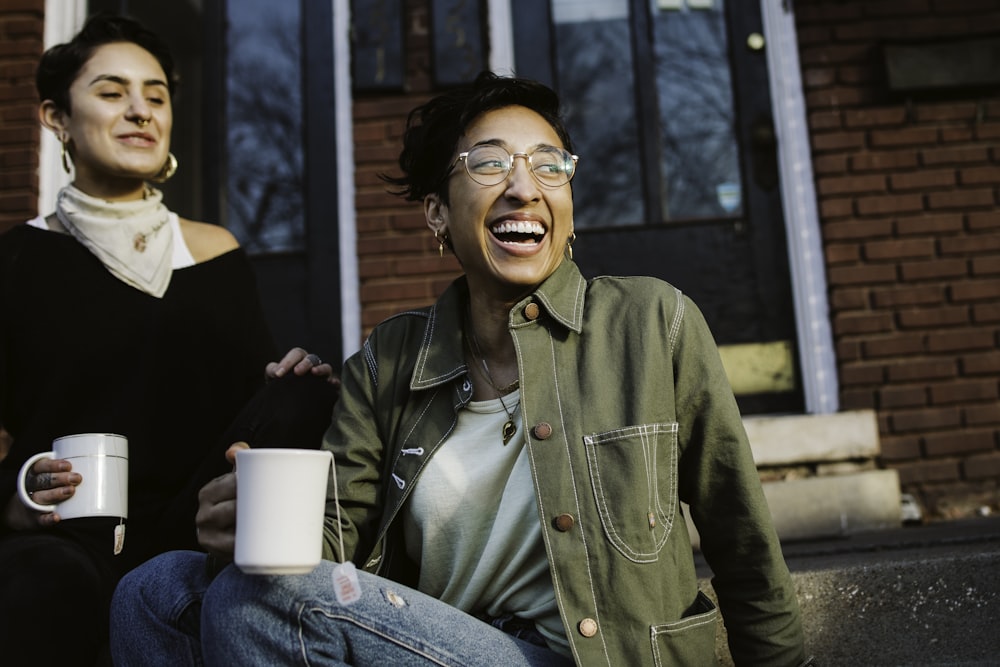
{"type": "Point", "coordinates": [142, 122]}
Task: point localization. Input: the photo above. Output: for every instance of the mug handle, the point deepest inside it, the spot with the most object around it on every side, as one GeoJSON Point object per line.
{"type": "Point", "coordinates": [22, 491]}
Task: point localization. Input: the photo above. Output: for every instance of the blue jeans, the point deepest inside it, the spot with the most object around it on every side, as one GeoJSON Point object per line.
{"type": "Point", "coordinates": [170, 611]}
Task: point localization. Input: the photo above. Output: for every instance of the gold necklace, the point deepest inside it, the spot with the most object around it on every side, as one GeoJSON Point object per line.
{"type": "Point", "coordinates": [477, 354]}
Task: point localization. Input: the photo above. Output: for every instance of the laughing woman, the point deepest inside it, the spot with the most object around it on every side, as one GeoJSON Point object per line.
{"type": "Point", "coordinates": [118, 316]}
{"type": "Point", "coordinates": [510, 461]}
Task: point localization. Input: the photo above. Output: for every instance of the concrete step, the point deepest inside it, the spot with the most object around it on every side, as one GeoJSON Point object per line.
{"type": "Point", "coordinates": [921, 595]}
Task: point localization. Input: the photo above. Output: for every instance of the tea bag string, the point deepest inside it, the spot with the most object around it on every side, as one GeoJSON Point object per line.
{"type": "Point", "coordinates": [336, 502]}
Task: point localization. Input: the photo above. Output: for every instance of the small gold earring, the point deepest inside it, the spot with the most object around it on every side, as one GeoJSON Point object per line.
{"type": "Point", "coordinates": [65, 156]}
{"type": "Point", "coordinates": [440, 239]}
{"type": "Point", "coordinates": [569, 244]}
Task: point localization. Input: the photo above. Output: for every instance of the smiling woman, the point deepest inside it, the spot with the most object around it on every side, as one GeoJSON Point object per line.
{"type": "Point", "coordinates": [119, 316]}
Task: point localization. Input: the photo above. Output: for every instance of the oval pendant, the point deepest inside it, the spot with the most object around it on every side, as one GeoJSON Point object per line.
{"type": "Point", "coordinates": [508, 431]}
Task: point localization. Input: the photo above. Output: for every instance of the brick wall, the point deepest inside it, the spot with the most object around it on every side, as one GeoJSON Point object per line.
{"type": "Point", "coordinates": [21, 39]}
{"type": "Point", "coordinates": [909, 199]}
{"type": "Point", "coordinates": [398, 260]}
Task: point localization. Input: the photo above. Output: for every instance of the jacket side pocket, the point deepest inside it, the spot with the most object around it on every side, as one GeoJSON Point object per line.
{"type": "Point", "coordinates": [689, 641]}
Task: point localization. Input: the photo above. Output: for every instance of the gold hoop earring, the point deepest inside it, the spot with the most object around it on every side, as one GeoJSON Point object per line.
{"type": "Point", "coordinates": [169, 167]}
{"type": "Point", "coordinates": [569, 244]}
{"type": "Point", "coordinates": [65, 156]}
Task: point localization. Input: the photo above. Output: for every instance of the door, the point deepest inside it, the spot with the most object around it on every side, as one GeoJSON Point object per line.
{"type": "Point", "coordinates": [669, 108]}
{"type": "Point", "coordinates": [256, 79]}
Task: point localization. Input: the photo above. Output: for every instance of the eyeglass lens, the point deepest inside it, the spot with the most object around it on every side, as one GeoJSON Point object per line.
{"type": "Point", "coordinates": [490, 165]}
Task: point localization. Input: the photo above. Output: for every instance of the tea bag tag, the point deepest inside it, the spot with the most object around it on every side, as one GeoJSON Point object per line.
{"type": "Point", "coordinates": [345, 583]}
{"type": "Point", "coordinates": [119, 538]}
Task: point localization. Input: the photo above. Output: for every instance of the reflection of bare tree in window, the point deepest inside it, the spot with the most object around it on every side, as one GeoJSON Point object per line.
{"type": "Point", "coordinates": [265, 136]}
{"type": "Point", "coordinates": [694, 94]}
{"type": "Point", "coordinates": [597, 88]}
{"type": "Point", "coordinates": [696, 111]}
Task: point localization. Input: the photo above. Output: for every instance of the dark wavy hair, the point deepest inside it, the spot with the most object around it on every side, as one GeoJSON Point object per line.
{"type": "Point", "coordinates": [61, 64]}
{"type": "Point", "coordinates": [433, 129]}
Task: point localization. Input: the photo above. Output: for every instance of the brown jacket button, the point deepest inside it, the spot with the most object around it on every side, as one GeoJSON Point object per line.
{"type": "Point", "coordinates": [531, 311]}
{"type": "Point", "coordinates": [542, 430]}
{"type": "Point", "coordinates": [564, 522]}
{"type": "Point", "coordinates": [588, 627]}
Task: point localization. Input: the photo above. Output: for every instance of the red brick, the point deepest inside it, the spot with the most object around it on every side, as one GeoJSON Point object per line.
{"type": "Point", "coordinates": [957, 442]}
{"type": "Point", "coordinates": [841, 253]}
{"type": "Point", "coordinates": [900, 448]}
{"type": "Point", "coordinates": [975, 290]}
{"type": "Point", "coordinates": [946, 111]}
{"type": "Point", "coordinates": [899, 249]}
{"type": "Point", "coordinates": [921, 295]}
{"type": "Point", "coordinates": [837, 141]}
{"type": "Point", "coordinates": [924, 419]}
{"type": "Point", "coordinates": [825, 120]}
{"type": "Point", "coordinates": [874, 117]}
{"type": "Point", "coordinates": [831, 54]}
{"type": "Point", "coordinates": [897, 8]}
{"type": "Point", "coordinates": [848, 350]}
{"type": "Point", "coordinates": [884, 160]}
{"type": "Point", "coordinates": [984, 220]}
{"type": "Point", "coordinates": [988, 131]}
{"type": "Point", "coordinates": [960, 199]}
{"type": "Point", "coordinates": [923, 223]}
{"type": "Point", "coordinates": [965, 391]}
{"type": "Point", "coordinates": [850, 184]}
{"type": "Point", "coordinates": [861, 275]}
{"type": "Point", "coordinates": [902, 396]}
{"type": "Point", "coordinates": [893, 345]}
{"type": "Point", "coordinates": [924, 318]}
{"type": "Point", "coordinates": [866, 323]}
{"type": "Point", "coordinates": [982, 415]}
{"type": "Point", "coordinates": [862, 374]}
{"type": "Point", "coordinates": [927, 471]}
{"type": "Point", "coordinates": [395, 290]}
{"type": "Point", "coordinates": [911, 136]}
{"type": "Point", "coordinates": [836, 208]}
{"type": "Point", "coordinates": [982, 466]}
{"type": "Point", "coordinates": [968, 245]}
{"type": "Point", "coordinates": [374, 268]}
{"type": "Point", "coordinates": [985, 266]}
{"type": "Point", "coordinates": [843, 298]}
{"type": "Point", "coordinates": [921, 180]}
{"type": "Point", "coordinates": [858, 399]}
{"type": "Point", "coordinates": [986, 313]}
{"type": "Point", "coordinates": [830, 164]}
{"type": "Point", "coordinates": [954, 155]}
{"type": "Point", "coordinates": [914, 370]}
{"type": "Point", "coordinates": [857, 229]}
{"type": "Point", "coordinates": [955, 135]}
{"type": "Point", "coordinates": [963, 340]}
{"type": "Point", "coordinates": [818, 77]}
{"type": "Point", "coordinates": [981, 364]}
{"type": "Point", "coordinates": [889, 204]}
{"type": "Point", "coordinates": [938, 268]}
{"type": "Point", "coordinates": [980, 175]}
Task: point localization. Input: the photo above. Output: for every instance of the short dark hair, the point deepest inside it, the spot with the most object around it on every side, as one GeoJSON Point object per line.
{"type": "Point", "coordinates": [61, 64]}
{"type": "Point", "coordinates": [433, 129]}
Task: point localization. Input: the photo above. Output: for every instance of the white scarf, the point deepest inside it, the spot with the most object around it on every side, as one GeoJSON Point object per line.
{"type": "Point", "coordinates": [131, 238]}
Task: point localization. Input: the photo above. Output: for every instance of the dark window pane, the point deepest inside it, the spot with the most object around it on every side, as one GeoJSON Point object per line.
{"type": "Point", "coordinates": [263, 100]}
{"type": "Point", "coordinates": [701, 177]}
{"type": "Point", "coordinates": [596, 84]}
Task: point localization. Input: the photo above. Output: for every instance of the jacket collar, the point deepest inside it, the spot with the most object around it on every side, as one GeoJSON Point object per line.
{"type": "Point", "coordinates": [441, 356]}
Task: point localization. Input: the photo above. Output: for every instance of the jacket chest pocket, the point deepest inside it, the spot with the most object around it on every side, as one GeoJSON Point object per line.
{"type": "Point", "coordinates": [634, 478]}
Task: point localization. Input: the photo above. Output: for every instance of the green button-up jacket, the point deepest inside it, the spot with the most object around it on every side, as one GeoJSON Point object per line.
{"type": "Point", "coordinates": [626, 411]}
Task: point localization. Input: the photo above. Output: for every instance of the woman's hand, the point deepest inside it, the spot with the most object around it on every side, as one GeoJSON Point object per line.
{"type": "Point", "coordinates": [215, 522]}
{"type": "Point", "coordinates": [49, 481]}
{"type": "Point", "coordinates": [300, 362]}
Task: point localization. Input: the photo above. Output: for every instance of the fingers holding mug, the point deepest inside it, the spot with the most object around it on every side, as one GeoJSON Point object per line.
{"type": "Point", "coordinates": [45, 481]}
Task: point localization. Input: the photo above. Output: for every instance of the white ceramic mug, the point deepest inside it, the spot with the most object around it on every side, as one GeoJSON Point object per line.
{"type": "Point", "coordinates": [102, 461]}
{"type": "Point", "coordinates": [280, 504]}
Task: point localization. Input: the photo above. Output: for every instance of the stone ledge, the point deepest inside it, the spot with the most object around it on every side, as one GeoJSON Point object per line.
{"type": "Point", "coordinates": [797, 439]}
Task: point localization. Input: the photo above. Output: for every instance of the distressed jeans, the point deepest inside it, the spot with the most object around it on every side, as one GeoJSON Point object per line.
{"type": "Point", "coordinates": [170, 611]}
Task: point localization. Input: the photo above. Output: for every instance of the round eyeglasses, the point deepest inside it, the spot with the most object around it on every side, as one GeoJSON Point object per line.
{"type": "Point", "coordinates": [490, 165]}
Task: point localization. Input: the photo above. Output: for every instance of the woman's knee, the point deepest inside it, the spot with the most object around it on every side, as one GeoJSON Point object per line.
{"type": "Point", "coordinates": [163, 587]}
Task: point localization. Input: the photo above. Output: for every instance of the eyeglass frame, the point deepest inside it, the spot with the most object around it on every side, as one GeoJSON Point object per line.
{"type": "Point", "coordinates": [464, 155]}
